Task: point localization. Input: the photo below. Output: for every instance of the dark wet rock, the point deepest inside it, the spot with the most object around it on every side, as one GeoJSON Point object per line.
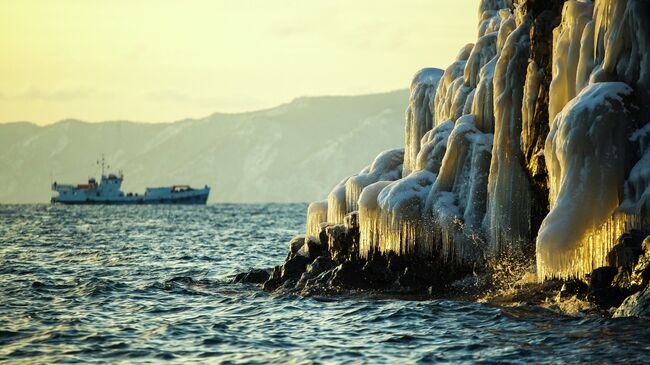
{"type": "Point", "coordinates": [271, 284]}
{"type": "Point", "coordinates": [645, 246]}
{"type": "Point", "coordinates": [256, 276]}
{"type": "Point", "coordinates": [602, 277]}
{"type": "Point", "coordinates": [627, 250]}
{"type": "Point", "coordinates": [396, 263]}
{"type": "Point", "coordinates": [601, 290]}
{"type": "Point", "coordinates": [274, 280]}
{"type": "Point", "coordinates": [294, 268]}
{"type": "Point", "coordinates": [349, 274]}
{"type": "Point", "coordinates": [377, 274]}
{"type": "Point", "coordinates": [296, 244]}
{"type": "Point", "coordinates": [622, 279]}
{"type": "Point", "coordinates": [351, 220]}
{"type": "Point", "coordinates": [640, 277]}
{"type": "Point", "coordinates": [339, 241]}
{"type": "Point", "coordinates": [320, 265]}
{"type": "Point", "coordinates": [546, 16]}
{"type": "Point", "coordinates": [636, 305]}
{"type": "Point", "coordinates": [420, 275]}
{"type": "Point", "coordinates": [573, 288]}
{"type": "Point", "coordinates": [313, 248]}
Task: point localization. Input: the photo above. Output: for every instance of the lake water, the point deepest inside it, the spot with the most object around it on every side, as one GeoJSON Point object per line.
{"type": "Point", "coordinates": [150, 284]}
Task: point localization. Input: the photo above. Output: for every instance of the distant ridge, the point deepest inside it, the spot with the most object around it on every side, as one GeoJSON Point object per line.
{"type": "Point", "coordinates": [278, 154]}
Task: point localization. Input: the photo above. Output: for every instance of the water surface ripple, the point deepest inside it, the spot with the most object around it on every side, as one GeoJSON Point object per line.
{"type": "Point", "coordinates": [149, 284]}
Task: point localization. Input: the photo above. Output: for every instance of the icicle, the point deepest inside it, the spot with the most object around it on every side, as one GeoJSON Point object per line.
{"type": "Point", "coordinates": [316, 214]}
{"type": "Point", "coordinates": [336, 204]}
{"type": "Point", "coordinates": [369, 219]}
{"type": "Point", "coordinates": [586, 63]}
{"type": "Point", "coordinates": [401, 205]}
{"type": "Point", "coordinates": [419, 115]}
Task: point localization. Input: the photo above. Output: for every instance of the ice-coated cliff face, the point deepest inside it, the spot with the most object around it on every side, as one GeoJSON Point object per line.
{"type": "Point", "coordinates": [594, 151]}
{"type": "Point", "coordinates": [535, 141]}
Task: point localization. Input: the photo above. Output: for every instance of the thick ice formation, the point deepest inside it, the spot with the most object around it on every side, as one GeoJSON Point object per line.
{"type": "Point", "coordinates": [419, 115]}
{"type": "Point", "coordinates": [386, 167]}
{"type": "Point", "coordinates": [316, 214]}
{"type": "Point", "coordinates": [586, 156]}
{"type": "Point", "coordinates": [448, 86]}
{"type": "Point", "coordinates": [390, 214]}
{"type": "Point", "coordinates": [400, 213]}
{"type": "Point", "coordinates": [508, 213]}
{"type": "Point", "coordinates": [433, 147]}
{"type": "Point", "coordinates": [457, 202]}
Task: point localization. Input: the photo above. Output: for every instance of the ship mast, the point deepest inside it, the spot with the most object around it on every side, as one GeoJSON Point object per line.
{"type": "Point", "coordinates": [102, 162]}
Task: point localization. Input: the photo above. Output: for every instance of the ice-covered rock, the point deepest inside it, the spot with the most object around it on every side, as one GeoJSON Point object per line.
{"type": "Point", "coordinates": [457, 201]}
{"type": "Point", "coordinates": [400, 205]}
{"type": "Point", "coordinates": [386, 167]}
{"type": "Point", "coordinates": [433, 147]}
{"type": "Point", "coordinates": [448, 86]}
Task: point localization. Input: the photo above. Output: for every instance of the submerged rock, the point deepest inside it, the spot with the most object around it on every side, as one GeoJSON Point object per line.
{"type": "Point", "coordinates": [255, 276]}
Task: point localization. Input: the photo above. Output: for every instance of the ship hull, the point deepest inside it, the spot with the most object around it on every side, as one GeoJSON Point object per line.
{"type": "Point", "coordinates": [195, 199]}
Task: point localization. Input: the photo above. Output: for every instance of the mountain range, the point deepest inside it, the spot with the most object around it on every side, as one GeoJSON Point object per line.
{"type": "Point", "coordinates": [291, 153]}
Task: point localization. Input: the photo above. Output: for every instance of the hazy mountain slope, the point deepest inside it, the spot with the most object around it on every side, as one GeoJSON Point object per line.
{"type": "Point", "coordinates": [294, 152]}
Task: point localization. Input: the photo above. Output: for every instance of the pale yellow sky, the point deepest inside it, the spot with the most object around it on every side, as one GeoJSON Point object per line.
{"type": "Point", "coordinates": [158, 61]}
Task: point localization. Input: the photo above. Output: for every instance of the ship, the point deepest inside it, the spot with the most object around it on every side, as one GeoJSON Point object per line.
{"type": "Point", "coordinates": [108, 191]}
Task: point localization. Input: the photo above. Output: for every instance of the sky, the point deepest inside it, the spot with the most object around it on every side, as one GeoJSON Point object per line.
{"type": "Point", "coordinates": [164, 60]}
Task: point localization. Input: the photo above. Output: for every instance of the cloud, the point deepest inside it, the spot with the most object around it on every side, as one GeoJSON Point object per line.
{"type": "Point", "coordinates": [168, 96]}
{"type": "Point", "coordinates": [57, 95]}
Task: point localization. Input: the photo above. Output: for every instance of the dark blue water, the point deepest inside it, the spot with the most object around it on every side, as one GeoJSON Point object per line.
{"type": "Point", "coordinates": [149, 284]}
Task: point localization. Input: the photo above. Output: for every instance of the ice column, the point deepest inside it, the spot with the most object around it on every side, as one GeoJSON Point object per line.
{"type": "Point", "coordinates": [419, 115]}
{"type": "Point", "coordinates": [316, 214]}
{"type": "Point", "coordinates": [508, 213]}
